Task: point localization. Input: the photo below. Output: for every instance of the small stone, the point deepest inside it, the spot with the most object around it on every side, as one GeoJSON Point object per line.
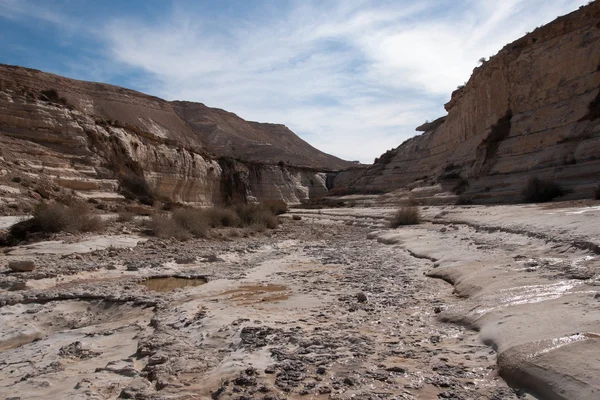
{"type": "Point", "coordinates": [397, 369]}
{"type": "Point", "coordinates": [21, 285]}
{"type": "Point", "coordinates": [22, 265]}
{"type": "Point", "coordinates": [157, 359]}
{"type": "Point", "coordinates": [597, 295]}
{"type": "Point", "coordinates": [321, 370]}
{"type": "Point", "coordinates": [437, 309]}
{"type": "Point", "coordinates": [361, 297]}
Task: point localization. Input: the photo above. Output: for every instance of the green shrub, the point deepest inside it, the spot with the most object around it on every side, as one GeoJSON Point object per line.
{"type": "Point", "coordinates": [540, 191]}
{"type": "Point", "coordinates": [406, 216]}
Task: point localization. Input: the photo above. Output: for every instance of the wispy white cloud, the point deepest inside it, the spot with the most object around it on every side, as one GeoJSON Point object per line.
{"type": "Point", "coordinates": [26, 10]}
{"type": "Point", "coordinates": [352, 77]}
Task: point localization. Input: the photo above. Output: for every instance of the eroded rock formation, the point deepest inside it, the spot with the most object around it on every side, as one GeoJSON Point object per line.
{"type": "Point", "coordinates": [531, 110]}
{"type": "Point", "coordinates": [99, 139]}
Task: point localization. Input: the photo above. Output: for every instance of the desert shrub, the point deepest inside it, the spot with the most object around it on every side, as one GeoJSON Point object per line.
{"type": "Point", "coordinates": [193, 220]}
{"type": "Point", "coordinates": [256, 216]}
{"type": "Point", "coordinates": [57, 217]}
{"type": "Point", "coordinates": [540, 191]}
{"type": "Point", "coordinates": [125, 216]}
{"type": "Point", "coordinates": [277, 207]}
{"type": "Point", "coordinates": [266, 219]}
{"type": "Point", "coordinates": [165, 226]}
{"type": "Point", "coordinates": [184, 223]}
{"type": "Point", "coordinates": [406, 216]}
{"type": "Point", "coordinates": [54, 218]}
{"type": "Point", "coordinates": [219, 217]}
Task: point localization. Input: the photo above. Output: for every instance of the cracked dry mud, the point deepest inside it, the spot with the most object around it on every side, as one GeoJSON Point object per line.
{"type": "Point", "coordinates": [315, 310]}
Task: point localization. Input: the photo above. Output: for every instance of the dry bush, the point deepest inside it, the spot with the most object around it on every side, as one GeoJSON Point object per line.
{"type": "Point", "coordinates": [184, 223]}
{"type": "Point", "coordinates": [125, 216]}
{"type": "Point", "coordinates": [406, 216]}
{"type": "Point", "coordinates": [252, 215]}
{"type": "Point", "coordinates": [195, 221]}
{"type": "Point", "coordinates": [54, 218]}
{"type": "Point", "coordinates": [57, 217]}
{"type": "Point", "coordinates": [276, 207]}
{"type": "Point", "coordinates": [266, 219]}
{"type": "Point", "coordinates": [540, 191]}
{"type": "Point", "coordinates": [165, 226]}
{"type": "Point", "coordinates": [219, 217]}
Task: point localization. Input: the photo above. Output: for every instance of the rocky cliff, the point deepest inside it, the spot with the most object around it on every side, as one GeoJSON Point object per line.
{"type": "Point", "coordinates": [104, 141]}
{"type": "Point", "coordinates": [531, 110]}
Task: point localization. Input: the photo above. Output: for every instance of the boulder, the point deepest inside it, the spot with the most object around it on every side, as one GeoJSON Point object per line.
{"type": "Point", "coordinates": [22, 265]}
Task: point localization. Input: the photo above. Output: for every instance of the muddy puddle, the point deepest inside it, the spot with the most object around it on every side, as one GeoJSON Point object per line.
{"type": "Point", "coordinates": [168, 284]}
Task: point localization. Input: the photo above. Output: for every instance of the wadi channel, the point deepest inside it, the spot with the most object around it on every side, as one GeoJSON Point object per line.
{"type": "Point", "coordinates": [476, 302]}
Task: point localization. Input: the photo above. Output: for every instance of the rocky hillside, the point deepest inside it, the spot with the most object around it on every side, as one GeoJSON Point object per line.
{"type": "Point", "coordinates": [104, 142]}
{"type": "Point", "coordinates": [224, 133]}
{"type": "Point", "coordinates": [531, 110]}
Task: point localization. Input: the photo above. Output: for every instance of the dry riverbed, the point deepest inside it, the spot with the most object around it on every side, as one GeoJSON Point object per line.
{"type": "Point", "coordinates": [335, 305]}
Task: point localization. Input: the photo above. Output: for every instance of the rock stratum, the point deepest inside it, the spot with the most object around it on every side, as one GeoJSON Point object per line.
{"type": "Point", "coordinates": [100, 140]}
{"type": "Point", "coordinates": [531, 110]}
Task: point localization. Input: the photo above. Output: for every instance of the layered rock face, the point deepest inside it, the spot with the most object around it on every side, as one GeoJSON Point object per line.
{"type": "Point", "coordinates": [97, 139]}
{"type": "Point", "coordinates": [531, 110]}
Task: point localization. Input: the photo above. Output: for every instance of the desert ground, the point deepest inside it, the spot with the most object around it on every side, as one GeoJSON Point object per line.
{"type": "Point", "coordinates": [332, 305]}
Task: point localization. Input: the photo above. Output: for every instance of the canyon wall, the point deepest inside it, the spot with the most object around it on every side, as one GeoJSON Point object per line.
{"type": "Point", "coordinates": [104, 142]}
{"type": "Point", "coordinates": [531, 110]}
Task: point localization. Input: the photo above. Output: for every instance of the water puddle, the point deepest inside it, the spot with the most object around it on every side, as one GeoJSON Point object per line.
{"type": "Point", "coordinates": [171, 283]}
{"type": "Point", "coordinates": [248, 294]}
{"type": "Point", "coordinates": [546, 346]}
{"type": "Point", "coordinates": [523, 295]}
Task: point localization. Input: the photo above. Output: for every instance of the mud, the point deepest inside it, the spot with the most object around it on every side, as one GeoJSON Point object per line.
{"type": "Point", "coordinates": [171, 283]}
{"type": "Point", "coordinates": [335, 305]}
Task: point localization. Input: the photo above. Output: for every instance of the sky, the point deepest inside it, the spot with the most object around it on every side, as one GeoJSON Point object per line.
{"type": "Point", "coordinates": [352, 77]}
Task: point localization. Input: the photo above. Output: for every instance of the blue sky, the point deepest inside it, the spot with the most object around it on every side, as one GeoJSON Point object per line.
{"type": "Point", "coordinates": [352, 77]}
